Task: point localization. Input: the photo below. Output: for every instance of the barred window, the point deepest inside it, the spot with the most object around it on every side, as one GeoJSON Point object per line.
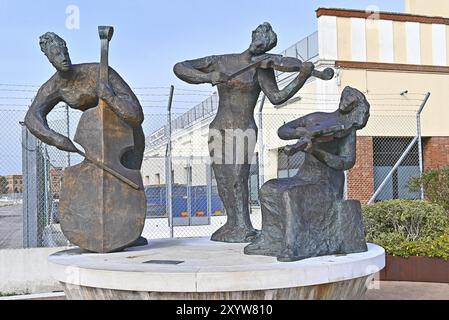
{"type": "Point", "coordinates": [387, 152]}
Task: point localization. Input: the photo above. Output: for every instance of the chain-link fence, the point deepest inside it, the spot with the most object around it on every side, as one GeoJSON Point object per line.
{"type": "Point", "coordinates": [387, 150]}
{"type": "Point", "coordinates": [43, 167]}
{"type": "Point", "coordinates": [11, 183]}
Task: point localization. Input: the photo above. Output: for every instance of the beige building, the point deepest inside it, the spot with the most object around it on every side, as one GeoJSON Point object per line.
{"type": "Point", "coordinates": [433, 8]}
{"type": "Point", "coordinates": [15, 184]}
{"type": "Point", "coordinates": [395, 59]}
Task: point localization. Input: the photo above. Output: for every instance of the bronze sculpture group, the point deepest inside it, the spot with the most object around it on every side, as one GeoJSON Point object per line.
{"type": "Point", "coordinates": [103, 202]}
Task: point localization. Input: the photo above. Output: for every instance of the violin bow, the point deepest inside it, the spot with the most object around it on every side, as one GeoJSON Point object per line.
{"type": "Point", "coordinates": [111, 171]}
{"type": "Point", "coordinates": [326, 74]}
{"type": "Point", "coordinates": [248, 67]}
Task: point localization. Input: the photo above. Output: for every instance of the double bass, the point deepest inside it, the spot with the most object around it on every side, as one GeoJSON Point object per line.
{"type": "Point", "coordinates": [103, 204]}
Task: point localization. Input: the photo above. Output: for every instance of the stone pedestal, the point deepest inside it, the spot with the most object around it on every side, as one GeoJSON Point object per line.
{"type": "Point", "coordinates": [197, 268]}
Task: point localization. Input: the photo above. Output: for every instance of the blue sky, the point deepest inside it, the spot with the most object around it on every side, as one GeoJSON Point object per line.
{"type": "Point", "coordinates": [150, 37]}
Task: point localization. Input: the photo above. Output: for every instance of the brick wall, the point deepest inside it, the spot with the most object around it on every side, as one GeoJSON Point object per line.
{"type": "Point", "coordinates": [361, 177]}
{"type": "Point", "coordinates": [436, 152]}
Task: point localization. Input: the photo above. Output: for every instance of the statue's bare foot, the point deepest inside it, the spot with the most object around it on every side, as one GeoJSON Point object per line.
{"type": "Point", "coordinates": [288, 255]}
{"type": "Point", "coordinates": [257, 249]}
{"type": "Point", "coordinates": [264, 246]}
{"type": "Point", "coordinates": [235, 234]}
{"type": "Point", "coordinates": [141, 241]}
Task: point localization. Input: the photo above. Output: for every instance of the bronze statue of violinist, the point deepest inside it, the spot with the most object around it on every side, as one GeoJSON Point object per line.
{"type": "Point", "coordinates": [240, 79]}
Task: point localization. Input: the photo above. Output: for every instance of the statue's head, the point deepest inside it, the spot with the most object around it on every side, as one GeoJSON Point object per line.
{"type": "Point", "coordinates": [264, 39]}
{"type": "Point", "coordinates": [354, 104]}
{"type": "Point", "coordinates": [55, 48]}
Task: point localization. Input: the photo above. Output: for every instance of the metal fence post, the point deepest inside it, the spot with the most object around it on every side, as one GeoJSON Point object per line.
{"type": "Point", "coordinates": [345, 191]}
{"type": "Point", "coordinates": [420, 148]}
{"type": "Point", "coordinates": [169, 166]}
{"type": "Point", "coordinates": [67, 110]}
{"type": "Point", "coordinates": [261, 144]}
{"type": "Point", "coordinates": [209, 190]}
{"type": "Point", "coordinates": [46, 184]}
{"type": "Point", "coordinates": [189, 189]}
{"type": "Point", "coordinates": [30, 189]}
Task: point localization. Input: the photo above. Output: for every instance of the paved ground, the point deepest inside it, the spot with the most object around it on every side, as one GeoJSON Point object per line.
{"type": "Point", "coordinates": [389, 290]}
{"type": "Point", "coordinates": [383, 291]}
{"type": "Point", "coordinates": [11, 237]}
{"type": "Point", "coordinates": [11, 227]}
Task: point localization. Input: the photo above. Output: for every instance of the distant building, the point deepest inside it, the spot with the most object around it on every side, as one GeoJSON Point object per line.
{"type": "Point", "coordinates": [56, 180]}
{"type": "Point", "coordinates": [15, 184]}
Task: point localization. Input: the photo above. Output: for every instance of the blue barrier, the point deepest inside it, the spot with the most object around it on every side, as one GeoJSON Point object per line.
{"type": "Point", "coordinates": [156, 201]}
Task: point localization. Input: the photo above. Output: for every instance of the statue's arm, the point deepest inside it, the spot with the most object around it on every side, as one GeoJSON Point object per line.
{"type": "Point", "coordinates": [284, 64]}
{"type": "Point", "coordinates": [267, 81]}
{"type": "Point", "coordinates": [347, 157]}
{"type": "Point", "coordinates": [36, 118]}
{"type": "Point", "coordinates": [121, 99]}
{"type": "Point", "coordinates": [293, 129]}
{"type": "Point", "coordinates": [196, 71]}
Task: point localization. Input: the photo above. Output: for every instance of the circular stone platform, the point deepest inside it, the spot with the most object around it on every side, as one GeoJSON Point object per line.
{"type": "Point", "coordinates": [197, 268]}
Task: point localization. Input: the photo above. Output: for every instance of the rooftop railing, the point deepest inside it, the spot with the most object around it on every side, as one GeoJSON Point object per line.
{"type": "Point", "coordinates": [304, 50]}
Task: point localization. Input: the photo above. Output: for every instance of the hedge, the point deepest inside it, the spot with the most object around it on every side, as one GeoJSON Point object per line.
{"type": "Point", "coordinates": [408, 228]}
{"type": "Point", "coordinates": [436, 186]}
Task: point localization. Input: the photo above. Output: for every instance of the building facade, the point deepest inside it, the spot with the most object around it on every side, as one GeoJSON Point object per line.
{"type": "Point", "coordinates": [394, 58]}
{"type": "Point", "coordinates": [389, 53]}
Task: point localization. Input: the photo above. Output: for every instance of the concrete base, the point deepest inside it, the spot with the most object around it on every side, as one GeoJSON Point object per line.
{"type": "Point", "coordinates": [197, 268]}
{"type": "Point", "coordinates": [24, 271]}
{"type": "Point", "coordinates": [37, 297]}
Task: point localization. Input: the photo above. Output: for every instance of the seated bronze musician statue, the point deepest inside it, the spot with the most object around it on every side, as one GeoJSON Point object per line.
{"type": "Point", "coordinates": [305, 216]}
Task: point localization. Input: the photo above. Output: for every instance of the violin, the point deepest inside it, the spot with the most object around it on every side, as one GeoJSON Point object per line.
{"type": "Point", "coordinates": [326, 74]}
{"type": "Point", "coordinates": [320, 127]}
{"type": "Point", "coordinates": [103, 203]}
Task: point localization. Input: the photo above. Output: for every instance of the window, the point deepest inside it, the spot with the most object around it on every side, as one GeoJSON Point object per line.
{"type": "Point", "coordinates": [188, 175]}
{"type": "Point", "coordinates": [288, 166]}
{"type": "Point", "coordinates": [387, 152]}
{"type": "Point", "coordinates": [157, 178]}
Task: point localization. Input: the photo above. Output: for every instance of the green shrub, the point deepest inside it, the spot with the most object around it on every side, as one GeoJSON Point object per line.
{"type": "Point", "coordinates": [436, 186]}
{"type": "Point", "coordinates": [408, 228]}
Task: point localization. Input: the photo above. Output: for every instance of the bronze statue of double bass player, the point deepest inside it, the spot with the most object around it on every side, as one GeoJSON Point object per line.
{"type": "Point", "coordinates": [102, 203]}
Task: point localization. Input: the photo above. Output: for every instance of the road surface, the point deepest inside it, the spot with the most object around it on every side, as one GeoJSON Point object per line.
{"type": "Point", "coordinates": [11, 227]}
